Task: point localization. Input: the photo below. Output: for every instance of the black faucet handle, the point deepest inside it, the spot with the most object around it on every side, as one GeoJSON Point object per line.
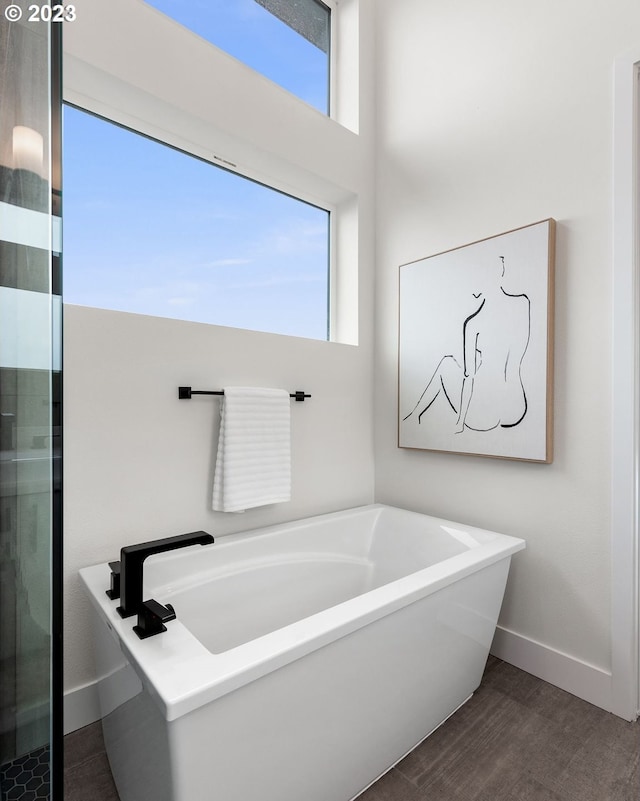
{"type": "Point", "coordinates": [151, 618]}
{"type": "Point", "coordinates": [114, 591]}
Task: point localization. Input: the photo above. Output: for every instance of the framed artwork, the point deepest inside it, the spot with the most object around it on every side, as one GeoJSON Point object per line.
{"type": "Point", "coordinates": [476, 347]}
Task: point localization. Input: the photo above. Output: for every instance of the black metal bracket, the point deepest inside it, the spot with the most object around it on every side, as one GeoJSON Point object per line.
{"type": "Point", "coordinates": [185, 393]}
{"type": "Point", "coordinates": [151, 618]}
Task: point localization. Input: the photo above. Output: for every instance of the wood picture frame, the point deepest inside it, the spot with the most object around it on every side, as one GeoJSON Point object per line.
{"type": "Point", "coordinates": [475, 347]}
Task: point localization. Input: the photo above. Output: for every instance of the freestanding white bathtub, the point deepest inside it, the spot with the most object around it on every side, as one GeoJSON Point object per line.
{"type": "Point", "coordinates": [306, 659]}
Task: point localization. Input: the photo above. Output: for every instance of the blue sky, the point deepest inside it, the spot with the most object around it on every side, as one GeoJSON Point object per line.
{"type": "Point", "coordinates": [247, 31]}
{"type": "Point", "coordinates": [148, 229]}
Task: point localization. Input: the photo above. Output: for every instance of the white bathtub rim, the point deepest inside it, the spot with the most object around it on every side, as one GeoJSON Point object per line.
{"type": "Point", "coordinates": [182, 675]}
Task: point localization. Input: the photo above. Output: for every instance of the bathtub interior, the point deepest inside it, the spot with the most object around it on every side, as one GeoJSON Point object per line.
{"type": "Point", "coordinates": [242, 591]}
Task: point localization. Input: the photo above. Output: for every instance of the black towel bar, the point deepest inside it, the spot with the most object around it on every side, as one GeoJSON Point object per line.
{"type": "Point", "coordinates": [185, 393]}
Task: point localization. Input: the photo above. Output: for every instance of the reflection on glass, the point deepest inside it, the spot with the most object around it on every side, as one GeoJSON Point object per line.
{"type": "Point", "coordinates": [28, 149]}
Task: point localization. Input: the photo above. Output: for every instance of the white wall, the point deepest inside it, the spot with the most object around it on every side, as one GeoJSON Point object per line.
{"type": "Point", "coordinates": [491, 116]}
{"type": "Point", "coordinates": [139, 462]}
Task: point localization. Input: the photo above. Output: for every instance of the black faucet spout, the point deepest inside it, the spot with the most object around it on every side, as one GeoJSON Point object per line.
{"type": "Point", "coordinates": [131, 561]}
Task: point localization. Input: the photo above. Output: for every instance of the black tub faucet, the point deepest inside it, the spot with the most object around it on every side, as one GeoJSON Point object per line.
{"type": "Point", "coordinates": [131, 561]}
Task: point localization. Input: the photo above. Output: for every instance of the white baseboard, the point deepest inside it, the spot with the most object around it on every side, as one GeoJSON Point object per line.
{"type": "Point", "coordinates": [81, 707]}
{"type": "Point", "coordinates": [579, 678]}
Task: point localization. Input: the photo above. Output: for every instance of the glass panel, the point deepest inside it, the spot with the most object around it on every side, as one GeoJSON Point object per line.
{"type": "Point", "coordinates": [187, 240]}
{"type": "Point", "coordinates": [29, 375]}
{"type": "Point", "coordinates": [285, 40]}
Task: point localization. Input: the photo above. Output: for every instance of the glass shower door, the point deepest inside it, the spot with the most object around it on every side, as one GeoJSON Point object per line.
{"type": "Point", "coordinates": [30, 434]}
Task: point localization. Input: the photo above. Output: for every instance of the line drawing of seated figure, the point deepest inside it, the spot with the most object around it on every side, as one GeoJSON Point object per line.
{"type": "Point", "coordinates": [486, 391]}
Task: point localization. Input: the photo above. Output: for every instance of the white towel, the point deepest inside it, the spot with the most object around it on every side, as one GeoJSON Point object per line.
{"type": "Point", "coordinates": [253, 463]}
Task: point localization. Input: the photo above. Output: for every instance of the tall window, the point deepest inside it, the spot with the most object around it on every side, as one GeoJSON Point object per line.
{"type": "Point", "coordinates": [151, 230]}
{"type": "Point", "coordinates": [288, 41]}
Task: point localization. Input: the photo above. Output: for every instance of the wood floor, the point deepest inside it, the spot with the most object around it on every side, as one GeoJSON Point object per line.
{"type": "Point", "coordinates": [517, 739]}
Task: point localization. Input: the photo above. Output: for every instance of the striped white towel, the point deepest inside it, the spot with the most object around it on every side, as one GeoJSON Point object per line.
{"type": "Point", "coordinates": [253, 463]}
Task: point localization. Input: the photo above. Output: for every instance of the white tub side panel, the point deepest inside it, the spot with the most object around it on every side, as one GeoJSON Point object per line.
{"type": "Point", "coordinates": [136, 741]}
{"type": "Point", "coordinates": [134, 729]}
{"type": "Point", "coordinates": [325, 726]}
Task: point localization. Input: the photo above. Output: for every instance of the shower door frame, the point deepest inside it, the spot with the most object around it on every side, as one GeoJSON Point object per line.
{"type": "Point", "coordinates": [57, 541]}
